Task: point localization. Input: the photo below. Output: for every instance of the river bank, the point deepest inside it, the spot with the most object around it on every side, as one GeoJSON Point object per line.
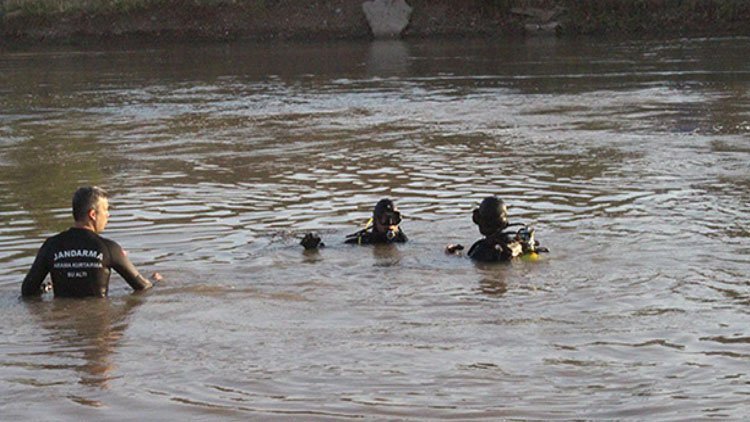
{"type": "Point", "coordinates": [82, 21]}
{"type": "Point", "coordinates": [630, 159]}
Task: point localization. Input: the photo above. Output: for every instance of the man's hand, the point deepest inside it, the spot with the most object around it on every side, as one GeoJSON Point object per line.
{"type": "Point", "coordinates": [156, 277]}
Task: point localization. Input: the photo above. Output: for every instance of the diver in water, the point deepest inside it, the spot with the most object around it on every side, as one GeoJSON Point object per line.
{"type": "Point", "coordinates": [383, 227]}
{"type": "Point", "coordinates": [498, 245]}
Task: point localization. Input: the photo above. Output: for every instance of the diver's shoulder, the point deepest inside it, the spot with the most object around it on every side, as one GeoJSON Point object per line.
{"type": "Point", "coordinates": [476, 246]}
{"type": "Point", "coordinates": [483, 250]}
{"type": "Point", "coordinates": [358, 238]}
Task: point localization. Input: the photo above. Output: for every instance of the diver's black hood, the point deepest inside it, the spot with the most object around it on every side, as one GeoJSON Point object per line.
{"type": "Point", "coordinates": [491, 216]}
{"type": "Point", "coordinates": [383, 207]}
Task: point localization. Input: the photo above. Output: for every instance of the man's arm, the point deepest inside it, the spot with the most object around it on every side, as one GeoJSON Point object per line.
{"type": "Point", "coordinates": [32, 284]}
{"type": "Point", "coordinates": [127, 270]}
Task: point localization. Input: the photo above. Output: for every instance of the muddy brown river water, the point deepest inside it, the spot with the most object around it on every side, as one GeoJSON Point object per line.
{"type": "Point", "coordinates": [631, 159]}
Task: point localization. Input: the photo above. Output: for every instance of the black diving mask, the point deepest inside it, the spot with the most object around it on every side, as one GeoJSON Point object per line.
{"type": "Point", "coordinates": [390, 218]}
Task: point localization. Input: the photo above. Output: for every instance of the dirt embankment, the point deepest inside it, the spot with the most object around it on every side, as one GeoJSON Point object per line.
{"type": "Point", "coordinates": [344, 19]}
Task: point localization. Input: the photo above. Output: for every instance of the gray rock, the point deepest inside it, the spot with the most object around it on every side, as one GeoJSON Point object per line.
{"type": "Point", "coordinates": [549, 28]}
{"type": "Point", "coordinates": [540, 15]}
{"type": "Point", "coordinates": [387, 18]}
{"type": "Point", "coordinates": [539, 21]}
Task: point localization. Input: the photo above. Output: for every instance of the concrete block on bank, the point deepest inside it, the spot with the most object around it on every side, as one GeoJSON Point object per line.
{"type": "Point", "coordinates": [387, 18]}
{"type": "Point", "coordinates": [542, 29]}
{"type": "Point", "coordinates": [540, 21]}
{"type": "Point", "coordinates": [541, 15]}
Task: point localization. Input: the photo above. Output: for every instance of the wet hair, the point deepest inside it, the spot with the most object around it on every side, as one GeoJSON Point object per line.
{"type": "Point", "coordinates": [491, 215]}
{"type": "Point", "coordinates": [86, 198]}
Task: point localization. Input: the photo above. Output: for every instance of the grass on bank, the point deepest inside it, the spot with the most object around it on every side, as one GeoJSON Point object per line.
{"type": "Point", "coordinates": [580, 17]}
{"type": "Point", "coordinates": [723, 8]}
{"type": "Point", "coordinates": [629, 16]}
{"type": "Point", "coordinates": [56, 7]}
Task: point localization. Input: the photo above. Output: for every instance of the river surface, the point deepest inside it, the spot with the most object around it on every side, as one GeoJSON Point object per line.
{"type": "Point", "coordinates": [630, 158]}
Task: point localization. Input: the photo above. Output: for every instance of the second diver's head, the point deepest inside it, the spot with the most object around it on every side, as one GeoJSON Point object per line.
{"type": "Point", "coordinates": [386, 217]}
{"type": "Point", "coordinates": [491, 215]}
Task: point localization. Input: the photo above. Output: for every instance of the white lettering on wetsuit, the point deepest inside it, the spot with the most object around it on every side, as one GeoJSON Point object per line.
{"type": "Point", "coordinates": [79, 253]}
{"type": "Point", "coordinates": [61, 265]}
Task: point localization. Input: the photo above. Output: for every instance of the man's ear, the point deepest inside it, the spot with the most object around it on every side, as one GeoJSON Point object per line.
{"type": "Point", "coordinates": [91, 213]}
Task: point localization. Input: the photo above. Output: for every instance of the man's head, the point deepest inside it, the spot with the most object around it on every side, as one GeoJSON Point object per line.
{"type": "Point", "coordinates": [491, 216]}
{"type": "Point", "coordinates": [91, 208]}
{"type": "Point", "coordinates": [386, 216]}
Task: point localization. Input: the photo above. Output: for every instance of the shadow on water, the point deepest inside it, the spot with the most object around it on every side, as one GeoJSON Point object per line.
{"type": "Point", "coordinates": [494, 287]}
{"type": "Point", "coordinates": [386, 256]}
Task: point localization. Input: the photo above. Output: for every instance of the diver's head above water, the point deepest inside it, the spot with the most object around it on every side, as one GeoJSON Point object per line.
{"type": "Point", "coordinates": [382, 227]}
{"type": "Point", "coordinates": [491, 216]}
{"type": "Point", "coordinates": [385, 216]}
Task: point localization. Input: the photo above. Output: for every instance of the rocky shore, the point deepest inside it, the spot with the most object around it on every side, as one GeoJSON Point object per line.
{"type": "Point", "coordinates": [81, 21]}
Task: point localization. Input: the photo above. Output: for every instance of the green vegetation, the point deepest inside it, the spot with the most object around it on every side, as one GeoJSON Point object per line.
{"type": "Point", "coordinates": [52, 7]}
{"type": "Point", "coordinates": [614, 14]}
{"type": "Point", "coordinates": [655, 16]}
{"type": "Point", "coordinates": [51, 20]}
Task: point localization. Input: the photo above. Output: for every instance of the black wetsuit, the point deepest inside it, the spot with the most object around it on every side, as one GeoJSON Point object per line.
{"type": "Point", "coordinates": [370, 237]}
{"type": "Point", "coordinates": [489, 249]}
{"type": "Point", "coordinates": [80, 263]}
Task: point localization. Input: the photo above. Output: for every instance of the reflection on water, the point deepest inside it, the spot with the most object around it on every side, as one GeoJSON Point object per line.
{"type": "Point", "coordinates": [89, 329]}
{"type": "Point", "coordinates": [630, 159]}
{"type": "Point", "coordinates": [388, 59]}
{"type": "Point", "coordinates": [493, 287]}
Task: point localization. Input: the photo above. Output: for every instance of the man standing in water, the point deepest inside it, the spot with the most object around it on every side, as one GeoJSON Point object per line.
{"type": "Point", "coordinates": [78, 259]}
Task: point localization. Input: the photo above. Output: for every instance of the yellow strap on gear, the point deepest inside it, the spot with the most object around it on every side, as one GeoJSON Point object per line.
{"type": "Point", "coordinates": [369, 224]}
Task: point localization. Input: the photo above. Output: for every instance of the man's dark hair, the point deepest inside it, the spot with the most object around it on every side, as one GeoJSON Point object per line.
{"type": "Point", "coordinates": [85, 199]}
